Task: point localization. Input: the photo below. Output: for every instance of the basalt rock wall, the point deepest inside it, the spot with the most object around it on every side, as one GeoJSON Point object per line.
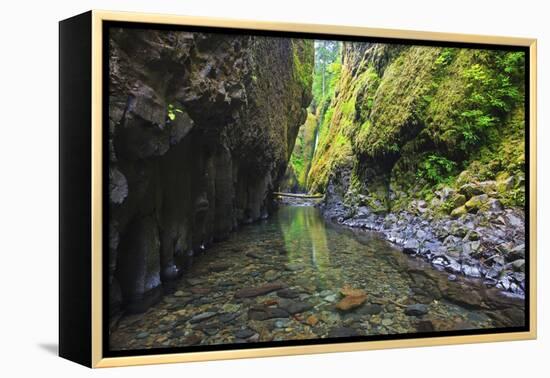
{"type": "Point", "coordinates": [201, 127]}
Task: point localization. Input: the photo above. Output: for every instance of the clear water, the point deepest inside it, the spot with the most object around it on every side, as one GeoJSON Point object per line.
{"type": "Point", "coordinates": [314, 259]}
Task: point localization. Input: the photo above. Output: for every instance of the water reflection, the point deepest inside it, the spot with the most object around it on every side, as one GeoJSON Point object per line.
{"type": "Point", "coordinates": [304, 235]}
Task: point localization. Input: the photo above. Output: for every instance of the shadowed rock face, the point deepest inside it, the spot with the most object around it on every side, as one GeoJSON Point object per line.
{"type": "Point", "coordinates": [201, 127]}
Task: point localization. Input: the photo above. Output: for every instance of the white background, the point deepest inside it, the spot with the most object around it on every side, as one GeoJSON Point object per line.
{"type": "Point", "coordinates": [29, 186]}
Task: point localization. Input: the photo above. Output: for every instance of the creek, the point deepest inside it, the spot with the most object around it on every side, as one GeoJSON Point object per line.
{"type": "Point", "coordinates": [297, 276]}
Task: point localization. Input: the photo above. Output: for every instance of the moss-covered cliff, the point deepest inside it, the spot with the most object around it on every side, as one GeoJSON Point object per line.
{"type": "Point", "coordinates": [296, 175]}
{"type": "Point", "coordinates": [201, 129]}
{"type": "Point", "coordinates": [406, 121]}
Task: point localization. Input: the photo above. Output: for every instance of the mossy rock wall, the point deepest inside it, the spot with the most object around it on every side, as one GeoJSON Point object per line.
{"type": "Point", "coordinates": [408, 121]}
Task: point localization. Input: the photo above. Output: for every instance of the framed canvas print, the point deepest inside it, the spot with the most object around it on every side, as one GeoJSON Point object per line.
{"type": "Point", "coordinates": [234, 189]}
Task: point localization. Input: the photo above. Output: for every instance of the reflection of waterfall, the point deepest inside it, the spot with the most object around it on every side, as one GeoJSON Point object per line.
{"type": "Point", "coordinates": [305, 239]}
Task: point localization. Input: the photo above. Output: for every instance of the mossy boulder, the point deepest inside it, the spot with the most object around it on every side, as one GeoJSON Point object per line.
{"type": "Point", "coordinates": [504, 184]}
{"type": "Point", "coordinates": [471, 189]}
{"type": "Point", "coordinates": [476, 203]}
{"type": "Point", "coordinates": [459, 211]}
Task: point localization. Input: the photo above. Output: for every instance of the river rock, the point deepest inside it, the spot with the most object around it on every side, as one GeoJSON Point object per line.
{"type": "Point", "coordinates": [411, 246]}
{"type": "Point", "coordinates": [351, 302]}
{"type": "Point", "coordinates": [369, 309]}
{"type": "Point", "coordinates": [294, 267]}
{"type": "Point", "coordinates": [342, 332]}
{"type": "Point", "coordinates": [350, 291]}
{"type": "Point", "coordinates": [264, 313]}
{"type": "Point", "coordinates": [271, 275]}
{"type": "Point", "coordinates": [288, 293]}
{"type": "Point", "coordinates": [294, 307]}
{"type": "Point", "coordinates": [519, 265]}
{"type": "Point", "coordinates": [203, 316]}
{"type": "Point", "coordinates": [418, 309]}
{"type": "Point", "coordinates": [312, 320]}
{"type": "Point", "coordinates": [250, 292]}
{"type": "Point", "coordinates": [219, 266]}
{"type": "Point", "coordinates": [244, 333]}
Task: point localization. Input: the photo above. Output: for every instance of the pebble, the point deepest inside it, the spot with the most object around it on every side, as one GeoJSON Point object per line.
{"type": "Point", "coordinates": [244, 333]}
{"type": "Point", "coordinates": [343, 332]}
{"type": "Point", "coordinates": [202, 316]}
{"type": "Point", "coordinates": [142, 335]}
{"type": "Point", "coordinates": [418, 309]}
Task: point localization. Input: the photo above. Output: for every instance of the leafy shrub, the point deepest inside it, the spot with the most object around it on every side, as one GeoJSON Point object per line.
{"type": "Point", "coordinates": [436, 168]}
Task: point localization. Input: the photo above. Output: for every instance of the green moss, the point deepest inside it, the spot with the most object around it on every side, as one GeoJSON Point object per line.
{"type": "Point", "coordinates": [302, 154]}
{"type": "Point", "coordinates": [303, 68]}
{"type": "Point", "coordinates": [422, 119]}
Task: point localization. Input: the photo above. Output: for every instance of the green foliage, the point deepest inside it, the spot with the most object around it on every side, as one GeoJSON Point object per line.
{"type": "Point", "coordinates": [423, 117]}
{"type": "Point", "coordinates": [300, 160]}
{"type": "Point", "coordinates": [492, 91]}
{"type": "Point", "coordinates": [436, 168]}
{"type": "Point", "coordinates": [172, 110]}
{"type": "Point", "coordinates": [327, 70]}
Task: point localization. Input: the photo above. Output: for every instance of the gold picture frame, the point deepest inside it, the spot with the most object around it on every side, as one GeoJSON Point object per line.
{"type": "Point", "coordinates": [95, 334]}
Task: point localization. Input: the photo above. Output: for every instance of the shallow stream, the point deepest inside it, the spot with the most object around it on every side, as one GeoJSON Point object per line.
{"type": "Point", "coordinates": [283, 278]}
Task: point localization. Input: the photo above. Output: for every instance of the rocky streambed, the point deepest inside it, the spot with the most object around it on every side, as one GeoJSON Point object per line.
{"type": "Point", "coordinates": [296, 276]}
{"type": "Point", "coordinates": [485, 240]}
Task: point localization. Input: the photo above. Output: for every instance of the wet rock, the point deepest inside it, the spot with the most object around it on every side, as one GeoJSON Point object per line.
{"type": "Point", "coordinates": [203, 316]}
{"type": "Point", "coordinates": [351, 302]}
{"type": "Point", "coordinates": [411, 246]}
{"type": "Point", "coordinates": [288, 293]}
{"type": "Point", "coordinates": [226, 318]}
{"type": "Point", "coordinates": [142, 335]}
{"type": "Point", "coordinates": [342, 332]}
{"type": "Point", "coordinates": [211, 331]}
{"type": "Point", "coordinates": [417, 309]}
{"type": "Point", "coordinates": [352, 292]}
{"type": "Point", "coordinates": [312, 320]}
{"type": "Point", "coordinates": [476, 203]}
{"type": "Point", "coordinates": [219, 266]}
{"type": "Point", "coordinates": [264, 313]}
{"type": "Point", "coordinates": [369, 309]}
{"type": "Point", "coordinates": [250, 292]}
{"type": "Point", "coordinates": [244, 333]}
{"type": "Point", "coordinates": [253, 255]}
{"type": "Point", "coordinates": [519, 265]}
{"type": "Point", "coordinates": [193, 339]}
{"type": "Point", "coordinates": [424, 326]}
{"type": "Point", "coordinates": [195, 281]}
{"type": "Point", "coordinates": [200, 290]}
{"type": "Point", "coordinates": [459, 211]}
{"type": "Point", "coordinates": [281, 323]}
{"type": "Point", "coordinates": [231, 307]}
{"type": "Point", "coordinates": [471, 271]}
{"type": "Point", "coordinates": [515, 221]}
{"type": "Point", "coordinates": [518, 252]}
{"type": "Point", "coordinates": [271, 275]}
{"type": "Point", "coordinates": [294, 307]}
{"type": "Point", "coordinates": [294, 267]}
{"type": "Point", "coordinates": [470, 190]}
{"type": "Point", "coordinates": [470, 299]}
